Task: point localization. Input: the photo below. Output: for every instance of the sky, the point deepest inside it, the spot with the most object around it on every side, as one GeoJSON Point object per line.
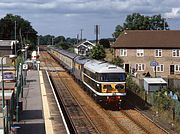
{"type": "Point", "coordinates": [68, 17]}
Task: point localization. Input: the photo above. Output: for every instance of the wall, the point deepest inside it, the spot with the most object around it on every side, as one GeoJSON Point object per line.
{"type": "Point", "coordinates": [5, 52]}
{"type": "Point", "coordinates": [149, 55]}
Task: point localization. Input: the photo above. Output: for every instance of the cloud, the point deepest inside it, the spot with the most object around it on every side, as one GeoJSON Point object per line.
{"type": "Point", "coordinates": [72, 15]}
{"type": "Point", "coordinates": [82, 6]}
{"type": "Point", "coordinates": [174, 13]}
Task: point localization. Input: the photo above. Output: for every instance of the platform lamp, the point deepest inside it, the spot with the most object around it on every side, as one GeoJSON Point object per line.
{"type": "Point", "coordinates": [17, 91]}
{"type": "Point", "coordinates": [20, 50]}
{"type": "Point", "coordinates": [25, 58]}
{"type": "Point", "coordinates": [2, 81]}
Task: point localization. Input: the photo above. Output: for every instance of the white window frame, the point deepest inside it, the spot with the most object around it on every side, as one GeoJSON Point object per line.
{"type": "Point", "coordinates": [159, 68]}
{"type": "Point", "coordinates": [177, 68]}
{"type": "Point", "coordinates": [122, 52]}
{"type": "Point", "coordinates": [176, 53]}
{"type": "Point", "coordinates": [140, 66]}
{"type": "Point", "coordinates": [139, 52]}
{"type": "Point", "coordinates": [123, 66]}
{"type": "Point", "coordinates": [4, 60]}
{"type": "Point", "coordinates": [158, 53]}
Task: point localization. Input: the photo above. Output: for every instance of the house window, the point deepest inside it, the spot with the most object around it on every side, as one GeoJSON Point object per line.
{"type": "Point", "coordinates": [140, 52]}
{"type": "Point", "coordinates": [140, 67]}
{"type": "Point", "coordinates": [3, 61]}
{"type": "Point", "coordinates": [158, 53]}
{"type": "Point", "coordinates": [177, 68]}
{"type": "Point", "coordinates": [123, 52]}
{"type": "Point", "coordinates": [159, 68]}
{"type": "Point", "coordinates": [176, 53]}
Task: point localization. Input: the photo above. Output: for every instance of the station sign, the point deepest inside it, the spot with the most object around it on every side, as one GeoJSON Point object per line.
{"type": "Point", "coordinates": [154, 63]}
{"type": "Point", "coordinates": [25, 66]}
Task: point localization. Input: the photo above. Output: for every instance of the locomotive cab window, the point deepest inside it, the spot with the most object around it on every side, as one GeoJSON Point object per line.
{"type": "Point", "coordinates": [113, 77]}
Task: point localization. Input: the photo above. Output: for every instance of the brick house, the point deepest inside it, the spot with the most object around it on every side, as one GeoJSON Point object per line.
{"type": "Point", "coordinates": [141, 48]}
{"type": "Point", "coordinates": [6, 48]}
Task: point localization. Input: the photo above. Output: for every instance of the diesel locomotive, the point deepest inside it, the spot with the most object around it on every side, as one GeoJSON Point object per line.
{"type": "Point", "coordinates": [105, 81]}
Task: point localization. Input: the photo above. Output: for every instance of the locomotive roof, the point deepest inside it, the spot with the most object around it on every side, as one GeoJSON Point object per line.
{"type": "Point", "coordinates": [81, 59]}
{"type": "Point", "coordinates": [102, 67]}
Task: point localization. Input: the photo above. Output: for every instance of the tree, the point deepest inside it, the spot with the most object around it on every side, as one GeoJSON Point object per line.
{"type": "Point", "coordinates": [118, 61]}
{"type": "Point", "coordinates": [136, 21]}
{"type": "Point", "coordinates": [59, 39]}
{"type": "Point", "coordinates": [72, 40]}
{"type": "Point", "coordinates": [63, 45]}
{"type": "Point", "coordinates": [98, 52]}
{"type": "Point", "coordinates": [118, 30]}
{"type": "Point", "coordinates": [46, 40]}
{"type": "Point", "coordinates": [158, 23]}
{"type": "Point", "coordinates": [24, 30]}
{"type": "Point", "coordinates": [105, 43]}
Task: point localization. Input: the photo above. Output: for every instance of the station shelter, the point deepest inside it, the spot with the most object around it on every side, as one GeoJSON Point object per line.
{"type": "Point", "coordinates": [7, 113]}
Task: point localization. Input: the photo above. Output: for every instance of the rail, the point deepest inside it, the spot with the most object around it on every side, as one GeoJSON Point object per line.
{"type": "Point", "coordinates": [75, 116]}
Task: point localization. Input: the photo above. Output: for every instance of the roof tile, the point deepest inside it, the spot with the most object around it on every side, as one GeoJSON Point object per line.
{"type": "Point", "coordinates": [148, 39]}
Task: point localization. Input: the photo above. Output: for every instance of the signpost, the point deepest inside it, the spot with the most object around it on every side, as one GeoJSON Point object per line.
{"type": "Point", "coordinates": [25, 66]}
{"type": "Point", "coordinates": [154, 64]}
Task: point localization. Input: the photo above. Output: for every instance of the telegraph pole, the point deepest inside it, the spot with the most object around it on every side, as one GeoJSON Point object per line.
{"type": "Point", "coordinates": [15, 36]}
{"type": "Point", "coordinates": [97, 32]}
{"type": "Point", "coordinates": [77, 38]}
{"type": "Point", "coordinates": [81, 34]}
{"type": "Point", "coordinates": [164, 24]}
{"type": "Point", "coordinates": [52, 41]}
{"type": "Point", "coordinates": [38, 45]}
{"type": "Point", "coordinates": [21, 38]}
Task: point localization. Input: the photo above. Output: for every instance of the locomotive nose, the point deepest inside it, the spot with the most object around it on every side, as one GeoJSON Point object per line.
{"type": "Point", "coordinates": [119, 86]}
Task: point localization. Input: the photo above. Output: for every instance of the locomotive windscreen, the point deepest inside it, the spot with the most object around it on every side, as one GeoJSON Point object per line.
{"type": "Point", "coordinates": [112, 77]}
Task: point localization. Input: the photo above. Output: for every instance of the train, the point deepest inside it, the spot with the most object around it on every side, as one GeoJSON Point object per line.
{"type": "Point", "coordinates": [104, 81]}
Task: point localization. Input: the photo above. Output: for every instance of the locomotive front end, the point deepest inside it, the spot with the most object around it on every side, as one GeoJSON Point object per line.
{"type": "Point", "coordinates": [106, 81]}
{"type": "Point", "coordinates": [114, 86]}
{"type": "Point", "coordinates": [117, 91]}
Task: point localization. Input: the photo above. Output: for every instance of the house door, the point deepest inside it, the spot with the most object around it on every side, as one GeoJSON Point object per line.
{"type": "Point", "coordinates": [171, 69]}
{"type": "Point", "coordinates": [127, 67]}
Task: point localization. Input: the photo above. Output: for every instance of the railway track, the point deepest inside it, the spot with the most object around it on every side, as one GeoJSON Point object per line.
{"type": "Point", "coordinates": [78, 120]}
{"type": "Point", "coordinates": [134, 125]}
{"type": "Point", "coordinates": [48, 63]}
{"type": "Point", "coordinates": [87, 117]}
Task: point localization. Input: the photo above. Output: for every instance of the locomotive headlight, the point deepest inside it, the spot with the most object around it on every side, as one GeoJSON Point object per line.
{"type": "Point", "coordinates": [98, 85]}
{"type": "Point", "coordinates": [119, 86]}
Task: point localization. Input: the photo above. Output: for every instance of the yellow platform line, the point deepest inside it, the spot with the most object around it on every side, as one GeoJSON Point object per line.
{"type": "Point", "coordinates": [48, 122]}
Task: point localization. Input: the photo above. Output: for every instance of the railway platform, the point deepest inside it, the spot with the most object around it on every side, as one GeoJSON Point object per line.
{"type": "Point", "coordinates": [31, 116]}
{"type": "Point", "coordinates": [40, 114]}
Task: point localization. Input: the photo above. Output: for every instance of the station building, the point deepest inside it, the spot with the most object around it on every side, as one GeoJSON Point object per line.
{"type": "Point", "coordinates": [6, 48]}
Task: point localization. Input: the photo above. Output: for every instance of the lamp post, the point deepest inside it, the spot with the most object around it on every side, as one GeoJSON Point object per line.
{"type": "Point", "coordinates": [25, 58]}
{"type": "Point", "coordinates": [17, 81]}
{"type": "Point", "coordinates": [22, 50]}
{"type": "Point", "coordinates": [2, 81]}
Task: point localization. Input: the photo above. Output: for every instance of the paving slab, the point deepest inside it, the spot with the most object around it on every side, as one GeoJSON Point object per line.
{"type": "Point", "coordinates": [31, 117]}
